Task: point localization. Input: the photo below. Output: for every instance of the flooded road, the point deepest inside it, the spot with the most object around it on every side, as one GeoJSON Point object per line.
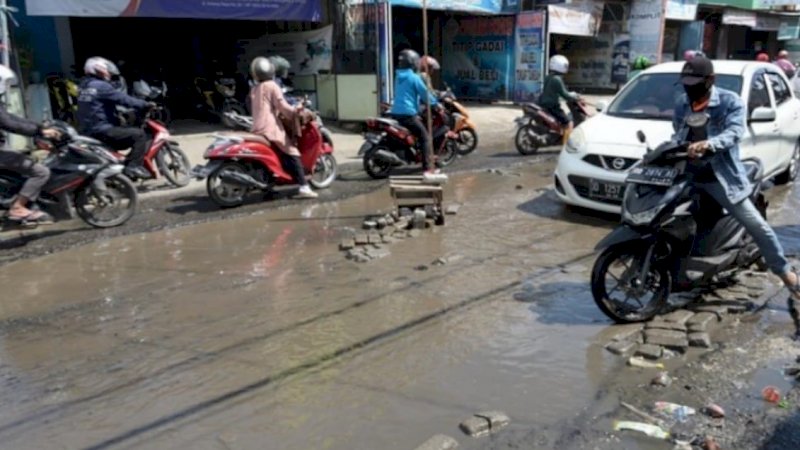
{"type": "Point", "coordinates": [256, 332]}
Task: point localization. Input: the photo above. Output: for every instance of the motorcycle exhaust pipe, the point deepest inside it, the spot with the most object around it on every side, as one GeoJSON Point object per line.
{"type": "Point", "coordinates": [242, 180]}
{"type": "Point", "coordinates": [389, 157]}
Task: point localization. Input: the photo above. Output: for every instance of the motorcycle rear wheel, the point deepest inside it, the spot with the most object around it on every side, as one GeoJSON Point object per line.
{"type": "Point", "coordinates": [467, 141]}
{"type": "Point", "coordinates": [174, 164]}
{"type": "Point", "coordinates": [447, 154]}
{"type": "Point", "coordinates": [374, 167]}
{"type": "Point", "coordinates": [658, 283]}
{"type": "Point", "coordinates": [90, 207]}
{"type": "Point", "coordinates": [525, 144]}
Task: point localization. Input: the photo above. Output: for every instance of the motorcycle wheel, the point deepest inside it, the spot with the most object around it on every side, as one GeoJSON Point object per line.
{"type": "Point", "coordinates": [226, 195]}
{"type": "Point", "coordinates": [163, 115]}
{"type": "Point", "coordinates": [523, 141]}
{"type": "Point", "coordinates": [325, 172]}
{"type": "Point", "coordinates": [467, 141]}
{"type": "Point", "coordinates": [448, 154]}
{"type": "Point", "coordinates": [374, 167]}
{"type": "Point", "coordinates": [120, 203]}
{"type": "Point", "coordinates": [659, 285]}
{"type": "Point", "coordinates": [174, 164]}
{"type": "Point", "coordinates": [232, 107]}
{"type": "Point", "coordinates": [326, 136]}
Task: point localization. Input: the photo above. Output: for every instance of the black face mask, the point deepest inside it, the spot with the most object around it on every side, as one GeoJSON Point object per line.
{"type": "Point", "coordinates": [698, 91]}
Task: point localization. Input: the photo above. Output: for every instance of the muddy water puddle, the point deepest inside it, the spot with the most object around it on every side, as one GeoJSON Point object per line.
{"type": "Point", "coordinates": [236, 333]}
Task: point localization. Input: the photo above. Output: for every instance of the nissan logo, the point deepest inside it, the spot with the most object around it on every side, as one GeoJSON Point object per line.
{"type": "Point", "coordinates": [618, 163]}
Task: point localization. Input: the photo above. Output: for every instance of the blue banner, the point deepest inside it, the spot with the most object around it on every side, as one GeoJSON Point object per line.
{"type": "Point", "coordinates": [530, 56]}
{"type": "Point", "coordinates": [478, 57]}
{"type": "Point", "coordinates": [300, 10]}
{"type": "Point", "coordinates": [482, 6]}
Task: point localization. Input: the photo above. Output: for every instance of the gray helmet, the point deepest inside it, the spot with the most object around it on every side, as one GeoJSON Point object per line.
{"type": "Point", "coordinates": [281, 65]}
{"type": "Point", "coordinates": [262, 70]}
{"type": "Point", "coordinates": [408, 59]}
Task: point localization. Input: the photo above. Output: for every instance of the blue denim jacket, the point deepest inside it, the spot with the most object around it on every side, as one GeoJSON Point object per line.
{"type": "Point", "coordinates": [726, 127]}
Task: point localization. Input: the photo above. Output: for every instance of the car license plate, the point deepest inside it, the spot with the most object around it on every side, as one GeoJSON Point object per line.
{"type": "Point", "coordinates": [606, 191]}
{"type": "Point", "coordinates": [656, 176]}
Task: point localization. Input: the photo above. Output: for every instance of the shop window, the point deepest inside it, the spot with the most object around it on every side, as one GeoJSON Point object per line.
{"type": "Point", "coordinates": [779, 88]}
{"type": "Point", "coordinates": [759, 95]}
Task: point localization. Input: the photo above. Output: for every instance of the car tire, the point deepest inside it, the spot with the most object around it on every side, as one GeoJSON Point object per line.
{"type": "Point", "coordinates": [790, 174]}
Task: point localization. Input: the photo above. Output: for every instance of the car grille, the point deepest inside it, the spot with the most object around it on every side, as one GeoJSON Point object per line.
{"type": "Point", "coordinates": [610, 162]}
{"type": "Point", "coordinates": [581, 186]}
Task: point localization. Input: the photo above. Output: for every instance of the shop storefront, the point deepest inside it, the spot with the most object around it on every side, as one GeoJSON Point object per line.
{"type": "Point", "coordinates": [682, 30]}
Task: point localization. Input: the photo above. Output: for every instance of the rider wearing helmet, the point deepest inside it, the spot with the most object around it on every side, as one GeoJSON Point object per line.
{"type": "Point", "coordinates": [639, 64]}
{"type": "Point", "coordinates": [282, 67]}
{"type": "Point", "coordinates": [97, 114]}
{"type": "Point", "coordinates": [36, 174]}
{"type": "Point", "coordinates": [428, 65]}
{"type": "Point", "coordinates": [554, 89]}
{"type": "Point", "coordinates": [785, 65]}
{"type": "Point", "coordinates": [269, 107]}
{"type": "Point", "coordinates": [409, 92]}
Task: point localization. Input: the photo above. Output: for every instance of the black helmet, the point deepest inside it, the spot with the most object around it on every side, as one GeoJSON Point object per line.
{"type": "Point", "coordinates": [408, 59]}
{"type": "Point", "coordinates": [281, 65]}
{"type": "Point", "coordinates": [262, 70]}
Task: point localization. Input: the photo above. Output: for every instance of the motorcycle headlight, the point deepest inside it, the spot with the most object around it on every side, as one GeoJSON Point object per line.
{"type": "Point", "coordinates": [576, 141]}
{"type": "Point", "coordinates": [642, 218]}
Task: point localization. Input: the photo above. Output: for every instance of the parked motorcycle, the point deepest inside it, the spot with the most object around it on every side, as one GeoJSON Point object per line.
{"type": "Point", "coordinates": [672, 239]}
{"type": "Point", "coordinates": [388, 145]}
{"type": "Point", "coordinates": [164, 156]}
{"type": "Point", "coordinates": [460, 123]}
{"type": "Point", "coordinates": [64, 95]}
{"type": "Point", "coordinates": [222, 99]}
{"type": "Point", "coordinates": [537, 128]}
{"type": "Point", "coordinates": [240, 163]}
{"type": "Point", "coordinates": [144, 91]}
{"type": "Point", "coordinates": [84, 177]}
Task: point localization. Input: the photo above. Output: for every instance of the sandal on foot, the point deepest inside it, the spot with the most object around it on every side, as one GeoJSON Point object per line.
{"type": "Point", "coordinates": [34, 217]}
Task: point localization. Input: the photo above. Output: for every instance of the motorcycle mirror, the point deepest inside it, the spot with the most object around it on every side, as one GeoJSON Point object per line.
{"type": "Point", "coordinates": [642, 138]}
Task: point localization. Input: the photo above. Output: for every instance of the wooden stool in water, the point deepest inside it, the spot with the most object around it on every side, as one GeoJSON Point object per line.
{"type": "Point", "coordinates": [412, 191]}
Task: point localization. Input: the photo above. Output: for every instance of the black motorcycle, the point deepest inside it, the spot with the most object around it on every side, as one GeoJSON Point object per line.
{"type": "Point", "coordinates": [673, 238]}
{"type": "Point", "coordinates": [85, 178]}
{"type": "Point", "coordinates": [150, 93]}
{"type": "Point", "coordinates": [538, 128]}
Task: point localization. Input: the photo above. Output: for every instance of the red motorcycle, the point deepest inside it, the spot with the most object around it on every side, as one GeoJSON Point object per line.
{"type": "Point", "coordinates": [388, 144]}
{"type": "Point", "coordinates": [537, 128]}
{"type": "Point", "coordinates": [239, 163]}
{"type": "Point", "coordinates": [164, 155]}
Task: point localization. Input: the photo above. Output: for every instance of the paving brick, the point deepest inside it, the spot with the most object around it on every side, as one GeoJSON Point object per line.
{"type": "Point", "coordinates": [702, 321]}
{"type": "Point", "coordinates": [475, 426]}
{"type": "Point", "coordinates": [347, 244]}
{"type": "Point", "coordinates": [627, 332]}
{"type": "Point", "coordinates": [650, 351]}
{"type": "Point", "coordinates": [497, 419]}
{"type": "Point", "coordinates": [666, 338]}
{"type": "Point", "coordinates": [680, 316]}
{"type": "Point", "coordinates": [661, 325]}
{"type": "Point", "coordinates": [621, 347]}
{"type": "Point", "coordinates": [361, 239]}
{"type": "Point", "coordinates": [700, 340]}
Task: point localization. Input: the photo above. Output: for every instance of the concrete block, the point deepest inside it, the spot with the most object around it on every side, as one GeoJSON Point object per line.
{"type": "Point", "coordinates": [650, 351]}
{"type": "Point", "coordinates": [621, 348]}
{"type": "Point", "coordinates": [659, 324]}
{"type": "Point", "coordinates": [362, 239]}
{"type": "Point", "coordinates": [347, 244]}
{"type": "Point", "coordinates": [439, 442]}
{"type": "Point", "coordinates": [702, 340]}
{"type": "Point", "coordinates": [627, 332]}
{"type": "Point", "coordinates": [666, 338]}
{"type": "Point", "coordinates": [452, 209]}
{"type": "Point", "coordinates": [475, 426]}
{"type": "Point", "coordinates": [680, 316]}
{"type": "Point", "coordinates": [374, 238]}
{"type": "Point", "coordinates": [497, 419]}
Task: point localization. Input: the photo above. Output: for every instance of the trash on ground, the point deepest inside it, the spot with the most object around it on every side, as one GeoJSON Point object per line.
{"type": "Point", "coordinates": [715, 411]}
{"type": "Point", "coordinates": [662, 379]}
{"type": "Point", "coordinates": [771, 394]}
{"type": "Point", "coordinates": [680, 413]}
{"type": "Point", "coordinates": [653, 431]}
{"type": "Point", "coordinates": [636, 361]}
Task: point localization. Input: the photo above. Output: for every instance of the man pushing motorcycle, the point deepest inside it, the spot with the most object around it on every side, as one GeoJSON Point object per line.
{"type": "Point", "coordinates": [724, 177]}
{"type": "Point", "coordinates": [97, 115]}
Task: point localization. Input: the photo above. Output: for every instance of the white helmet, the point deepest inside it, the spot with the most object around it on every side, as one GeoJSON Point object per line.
{"type": "Point", "coordinates": [559, 64]}
{"type": "Point", "coordinates": [7, 77]}
{"type": "Point", "coordinates": [96, 64]}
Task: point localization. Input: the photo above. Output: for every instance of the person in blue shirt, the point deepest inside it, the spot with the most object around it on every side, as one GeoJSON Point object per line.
{"type": "Point", "coordinates": [724, 178]}
{"type": "Point", "coordinates": [409, 92]}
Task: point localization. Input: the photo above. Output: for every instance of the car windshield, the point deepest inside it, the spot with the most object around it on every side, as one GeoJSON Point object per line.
{"type": "Point", "coordinates": [653, 95]}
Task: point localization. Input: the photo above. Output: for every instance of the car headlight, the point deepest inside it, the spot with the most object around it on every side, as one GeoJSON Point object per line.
{"type": "Point", "coordinates": [576, 141]}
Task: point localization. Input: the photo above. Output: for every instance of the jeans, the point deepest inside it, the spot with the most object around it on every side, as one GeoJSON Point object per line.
{"type": "Point", "coordinates": [294, 166]}
{"type": "Point", "coordinates": [120, 138]}
{"type": "Point", "coordinates": [747, 214]}
{"type": "Point", "coordinates": [418, 129]}
{"type": "Point", "coordinates": [36, 174]}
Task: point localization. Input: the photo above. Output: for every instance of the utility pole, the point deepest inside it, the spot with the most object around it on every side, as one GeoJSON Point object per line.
{"type": "Point", "coordinates": [431, 159]}
{"type": "Point", "coordinates": [5, 36]}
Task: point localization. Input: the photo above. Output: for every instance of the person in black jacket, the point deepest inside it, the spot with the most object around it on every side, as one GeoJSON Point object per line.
{"type": "Point", "coordinates": [36, 174]}
{"type": "Point", "coordinates": [97, 115]}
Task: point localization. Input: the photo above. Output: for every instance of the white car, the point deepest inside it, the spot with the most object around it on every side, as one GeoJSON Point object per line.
{"type": "Point", "coordinates": [593, 165]}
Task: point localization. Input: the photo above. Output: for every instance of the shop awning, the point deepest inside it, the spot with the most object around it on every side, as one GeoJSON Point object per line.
{"type": "Point", "coordinates": [473, 6]}
{"type": "Point", "coordinates": [299, 10]}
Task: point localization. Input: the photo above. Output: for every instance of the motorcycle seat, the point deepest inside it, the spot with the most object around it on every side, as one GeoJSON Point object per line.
{"type": "Point", "coordinates": [531, 108]}
{"type": "Point", "coordinates": [87, 140]}
{"type": "Point", "coordinates": [249, 137]}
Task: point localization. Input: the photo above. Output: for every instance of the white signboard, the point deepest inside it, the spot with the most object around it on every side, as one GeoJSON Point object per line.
{"type": "Point", "coordinates": [737, 17]}
{"type": "Point", "coordinates": [681, 9]}
{"type": "Point", "coordinates": [766, 22]}
{"type": "Point", "coordinates": [309, 52]}
{"type": "Point", "coordinates": [645, 26]}
{"type": "Point", "coordinates": [577, 19]}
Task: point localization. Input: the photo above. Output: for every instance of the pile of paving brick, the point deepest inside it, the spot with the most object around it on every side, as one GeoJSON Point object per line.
{"type": "Point", "coordinates": [378, 232]}
{"type": "Point", "coordinates": [691, 326]}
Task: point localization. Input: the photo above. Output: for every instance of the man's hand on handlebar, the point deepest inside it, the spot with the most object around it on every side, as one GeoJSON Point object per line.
{"type": "Point", "coordinates": [698, 149]}
{"type": "Point", "coordinates": [152, 105]}
{"type": "Point", "coordinates": [51, 133]}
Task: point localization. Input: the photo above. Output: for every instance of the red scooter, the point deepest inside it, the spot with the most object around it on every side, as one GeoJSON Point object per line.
{"type": "Point", "coordinates": [239, 163]}
{"type": "Point", "coordinates": [164, 155]}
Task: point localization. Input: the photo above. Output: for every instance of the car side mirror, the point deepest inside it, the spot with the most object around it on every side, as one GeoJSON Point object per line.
{"type": "Point", "coordinates": [642, 138]}
{"type": "Point", "coordinates": [763, 114]}
{"type": "Point", "coordinates": [601, 105]}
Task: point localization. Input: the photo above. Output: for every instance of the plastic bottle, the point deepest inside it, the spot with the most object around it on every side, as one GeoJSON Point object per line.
{"type": "Point", "coordinates": [678, 412]}
{"type": "Point", "coordinates": [653, 431]}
